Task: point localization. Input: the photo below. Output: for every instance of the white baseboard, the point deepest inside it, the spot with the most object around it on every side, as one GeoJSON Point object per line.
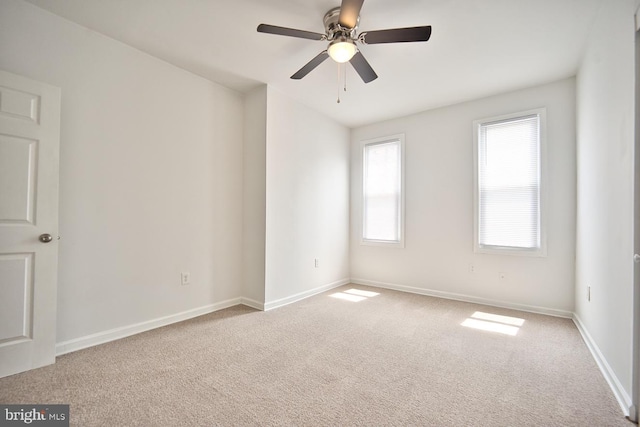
{"type": "Point", "coordinates": [252, 303]}
{"type": "Point", "coordinates": [623, 398]}
{"type": "Point", "coordinates": [302, 295]}
{"type": "Point", "coordinates": [125, 331]}
{"type": "Point", "coordinates": [619, 392]}
{"type": "Point", "coordinates": [464, 298]}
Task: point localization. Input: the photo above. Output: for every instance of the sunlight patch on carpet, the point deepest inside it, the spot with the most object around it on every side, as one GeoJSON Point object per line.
{"type": "Point", "coordinates": [348, 297]}
{"type": "Point", "coordinates": [507, 320]}
{"type": "Point", "coordinates": [354, 295]}
{"type": "Point", "coordinates": [494, 323]}
{"type": "Point", "coordinates": [361, 293]}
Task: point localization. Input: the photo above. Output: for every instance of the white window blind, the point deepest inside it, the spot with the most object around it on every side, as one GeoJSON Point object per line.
{"type": "Point", "coordinates": [509, 183]}
{"type": "Point", "coordinates": [382, 188]}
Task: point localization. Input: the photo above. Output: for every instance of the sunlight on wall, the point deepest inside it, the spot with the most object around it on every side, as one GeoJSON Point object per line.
{"type": "Point", "coordinates": [494, 323]}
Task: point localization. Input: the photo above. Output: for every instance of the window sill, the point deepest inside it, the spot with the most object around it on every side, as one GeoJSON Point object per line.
{"type": "Point", "coordinates": [382, 243]}
{"type": "Point", "coordinates": [504, 250]}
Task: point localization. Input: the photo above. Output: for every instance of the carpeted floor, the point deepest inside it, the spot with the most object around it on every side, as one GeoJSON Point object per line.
{"type": "Point", "coordinates": [388, 359]}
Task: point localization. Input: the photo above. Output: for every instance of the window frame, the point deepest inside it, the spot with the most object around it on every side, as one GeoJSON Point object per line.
{"type": "Point", "coordinates": [507, 250]}
{"type": "Point", "coordinates": [399, 138]}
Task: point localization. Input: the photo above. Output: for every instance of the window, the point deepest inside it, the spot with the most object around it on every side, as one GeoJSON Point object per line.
{"type": "Point", "coordinates": [383, 191]}
{"type": "Point", "coordinates": [508, 155]}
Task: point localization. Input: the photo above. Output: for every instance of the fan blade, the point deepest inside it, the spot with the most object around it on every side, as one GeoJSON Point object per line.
{"type": "Point", "coordinates": [363, 68]}
{"type": "Point", "coordinates": [291, 32]}
{"type": "Point", "coordinates": [319, 59]}
{"type": "Point", "coordinates": [349, 12]}
{"type": "Point", "coordinates": [398, 35]}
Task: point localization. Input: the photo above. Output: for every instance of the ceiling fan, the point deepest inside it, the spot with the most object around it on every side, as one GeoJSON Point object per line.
{"type": "Point", "coordinates": [340, 25]}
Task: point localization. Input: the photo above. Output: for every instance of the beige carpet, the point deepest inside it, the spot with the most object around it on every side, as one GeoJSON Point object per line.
{"type": "Point", "coordinates": [390, 359]}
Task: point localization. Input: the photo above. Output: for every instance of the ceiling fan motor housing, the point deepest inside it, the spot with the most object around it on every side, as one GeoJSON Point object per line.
{"type": "Point", "coordinates": [334, 30]}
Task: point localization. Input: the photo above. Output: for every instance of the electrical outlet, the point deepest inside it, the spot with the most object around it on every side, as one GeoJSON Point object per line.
{"type": "Point", "coordinates": [472, 268]}
{"type": "Point", "coordinates": [185, 278]}
{"type": "Point", "coordinates": [502, 275]}
{"type": "Point", "coordinates": [588, 293]}
{"type": "Point", "coordinates": [317, 262]}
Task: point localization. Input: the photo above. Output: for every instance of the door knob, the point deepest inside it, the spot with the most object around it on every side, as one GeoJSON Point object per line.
{"type": "Point", "coordinates": [636, 258]}
{"type": "Point", "coordinates": [45, 238]}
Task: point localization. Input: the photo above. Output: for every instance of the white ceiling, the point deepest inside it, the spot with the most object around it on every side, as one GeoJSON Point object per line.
{"type": "Point", "coordinates": [477, 48]}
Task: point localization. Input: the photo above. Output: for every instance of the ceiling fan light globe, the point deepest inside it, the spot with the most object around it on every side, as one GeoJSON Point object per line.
{"type": "Point", "coordinates": [342, 51]}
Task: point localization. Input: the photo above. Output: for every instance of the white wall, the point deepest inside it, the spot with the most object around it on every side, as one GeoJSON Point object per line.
{"type": "Point", "coordinates": [307, 200]}
{"type": "Point", "coordinates": [439, 208]}
{"type": "Point", "coordinates": [151, 175]}
{"type": "Point", "coordinates": [254, 193]}
{"type": "Point", "coordinates": [605, 123]}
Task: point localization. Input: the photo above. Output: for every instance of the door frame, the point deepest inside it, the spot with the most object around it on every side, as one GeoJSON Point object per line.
{"type": "Point", "coordinates": [635, 370]}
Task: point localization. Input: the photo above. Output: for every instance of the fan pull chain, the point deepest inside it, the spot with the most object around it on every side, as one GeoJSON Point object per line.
{"type": "Point", "coordinates": [338, 84]}
{"type": "Point", "coordinates": [340, 75]}
{"type": "Point", "coordinates": [345, 77]}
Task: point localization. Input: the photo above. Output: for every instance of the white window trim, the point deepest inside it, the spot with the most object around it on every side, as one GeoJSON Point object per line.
{"type": "Point", "coordinates": [382, 140]}
{"type": "Point", "coordinates": [498, 250]}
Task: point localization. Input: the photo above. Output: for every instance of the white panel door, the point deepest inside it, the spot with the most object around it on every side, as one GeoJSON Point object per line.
{"type": "Point", "coordinates": [29, 145]}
